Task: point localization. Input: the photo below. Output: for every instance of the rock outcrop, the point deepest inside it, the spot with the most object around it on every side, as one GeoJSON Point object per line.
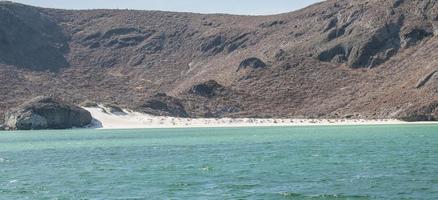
{"type": "Point", "coordinates": [207, 89]}
{"type": "Point", "coordinates": [113, 109]}
{"type": "Point", "coordinates": [213, 45]}
{"type": "Point", "coordinates": [425, 113]}
{"type": "Point", "coordinates": [47, 113]}
{"type": "Point", "coordinates": [89, 104]}
{"type": "Point", "coordinates": [430, 78]}
{"type": "Point", "coordinates": [251, 63]}
{"type": "Point", "coordinates": [360, 51]}
{"type": "Point", "coordinates": [163, 105]}
{"type": "Point", "coordinates": [218, 43]}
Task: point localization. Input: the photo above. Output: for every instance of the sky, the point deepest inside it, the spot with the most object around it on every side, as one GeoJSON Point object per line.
{"type": "Point", "coordinates": [242, 7]}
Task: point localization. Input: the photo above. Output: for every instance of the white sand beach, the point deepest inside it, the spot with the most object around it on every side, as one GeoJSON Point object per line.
{"type": "Point", "coordinates": [136, 120]}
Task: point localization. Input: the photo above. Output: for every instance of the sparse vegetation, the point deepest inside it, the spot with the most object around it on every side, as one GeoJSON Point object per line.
{"type": "Point", "coordinates": [325, 61]}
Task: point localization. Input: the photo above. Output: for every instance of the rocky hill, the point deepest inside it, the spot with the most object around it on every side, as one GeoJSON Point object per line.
{"type": "Point", "coordinates": [343, 58]}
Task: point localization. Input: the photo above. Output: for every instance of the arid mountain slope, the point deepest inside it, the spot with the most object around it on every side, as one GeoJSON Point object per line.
{"type": "Point", "coordinates": [348, 58]}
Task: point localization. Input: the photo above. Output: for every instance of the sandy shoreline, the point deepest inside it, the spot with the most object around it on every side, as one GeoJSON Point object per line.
{"type": "Point", "coordinates": [135, 120]}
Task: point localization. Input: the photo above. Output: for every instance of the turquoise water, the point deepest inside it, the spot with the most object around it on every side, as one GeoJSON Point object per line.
{"type": "Point", "coordinates": [349, 162]}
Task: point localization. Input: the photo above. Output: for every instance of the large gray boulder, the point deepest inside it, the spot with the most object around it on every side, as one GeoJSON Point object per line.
{"type": "Point", "coordinates": [47, 113]}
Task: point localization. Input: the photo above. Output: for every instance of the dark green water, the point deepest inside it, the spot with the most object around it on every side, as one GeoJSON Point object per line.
{"type": "Point", "coordinates": [349, 162]}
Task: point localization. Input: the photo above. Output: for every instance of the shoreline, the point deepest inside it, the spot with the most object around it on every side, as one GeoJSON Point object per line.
{"type": "Point", "coordinates": [102, 119]}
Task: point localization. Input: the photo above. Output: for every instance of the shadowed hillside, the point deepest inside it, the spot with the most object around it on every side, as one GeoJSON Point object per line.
{"type": "Point", "coordinates": [355, 59]}
{"type": "Point", "coordinates": [30, 39]}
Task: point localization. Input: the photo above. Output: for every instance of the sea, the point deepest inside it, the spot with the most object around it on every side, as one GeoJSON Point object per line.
{"type": "Point", "coordinates": [312, 162]}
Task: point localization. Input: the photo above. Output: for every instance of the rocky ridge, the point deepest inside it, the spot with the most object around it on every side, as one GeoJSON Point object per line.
{"type": "Point", "coordinates": [367, 59]}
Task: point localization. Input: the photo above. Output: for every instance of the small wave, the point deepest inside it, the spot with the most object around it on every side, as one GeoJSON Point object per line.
{"type": "Point", "coordinates": [242, 186]}
{"type": "Point", "coordinates": [322, 196]}
{"type": "Point", "coordinates": [206, 168]}
{"type": "Point", "coordinates": [290, 194]}
{"type": "Point", "coordinates": [181, 184]}
{"type": "Point", "coordinates": [342, 196]}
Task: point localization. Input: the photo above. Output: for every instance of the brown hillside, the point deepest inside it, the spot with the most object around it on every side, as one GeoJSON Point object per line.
{"type": "Point", "coordinates": [344, 58]}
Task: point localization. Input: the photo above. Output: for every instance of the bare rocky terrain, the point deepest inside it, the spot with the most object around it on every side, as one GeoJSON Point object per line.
{"type": "Point", "coordinates": [366, 59]}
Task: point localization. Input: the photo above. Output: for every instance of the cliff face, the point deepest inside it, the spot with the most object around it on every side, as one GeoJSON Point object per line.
{"type": "Point", "coordinates": [367, 59]}
{"type": "Point", "coordinates": [47, 113]}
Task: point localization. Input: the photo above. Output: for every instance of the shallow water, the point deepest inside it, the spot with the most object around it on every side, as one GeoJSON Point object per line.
{"type": "Point", "coordinates": [349, 162]}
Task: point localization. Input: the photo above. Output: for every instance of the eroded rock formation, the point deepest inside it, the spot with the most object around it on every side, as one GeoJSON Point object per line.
{"type": "Point", "coordinates": [47, 113]}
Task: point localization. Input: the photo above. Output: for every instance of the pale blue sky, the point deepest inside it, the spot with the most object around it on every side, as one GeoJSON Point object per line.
{"type": "Point", "coordinates": [250, 7]}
